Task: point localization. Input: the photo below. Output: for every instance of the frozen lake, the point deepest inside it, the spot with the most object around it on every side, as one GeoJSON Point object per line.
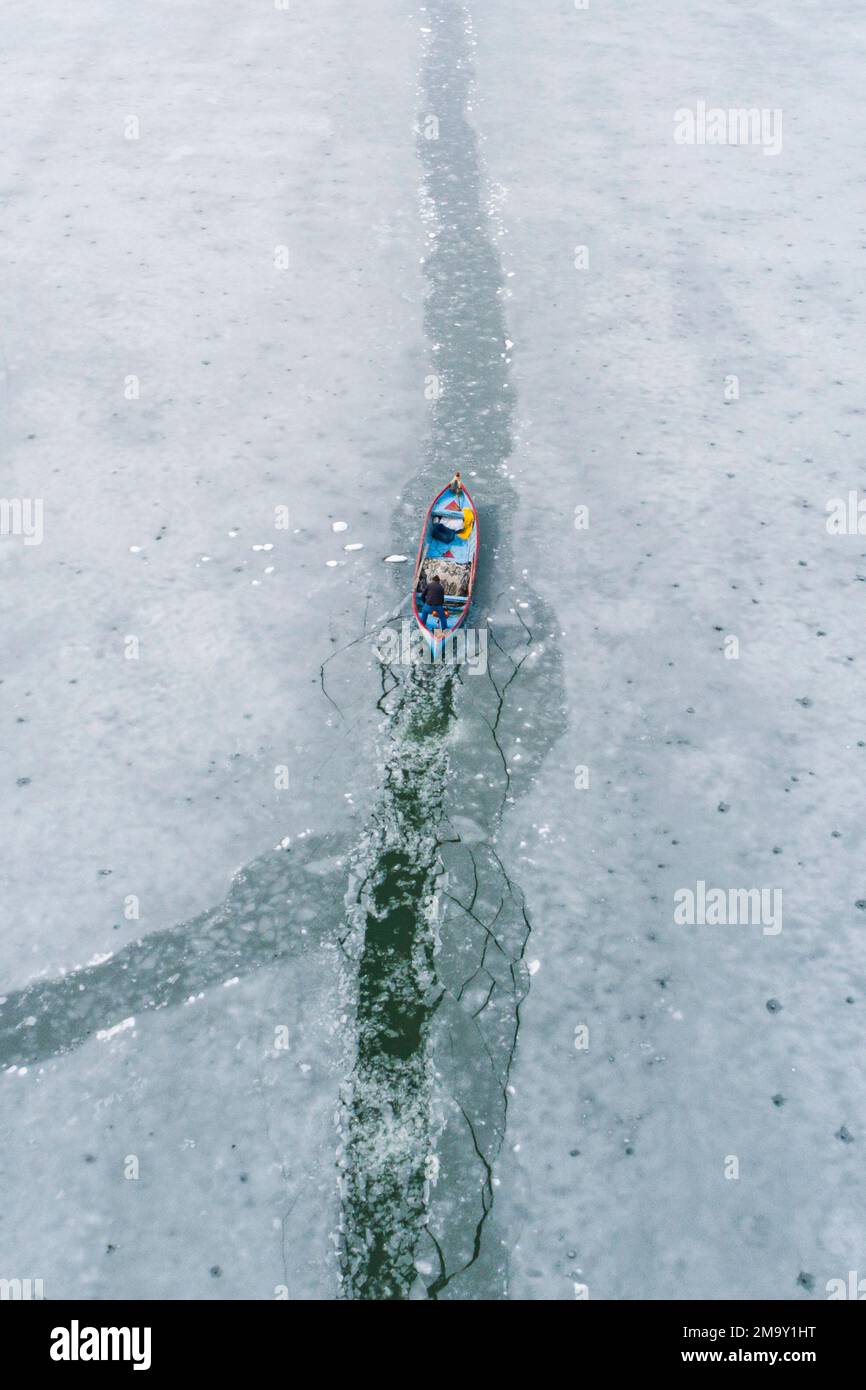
{"type": "Point", "coordinates": [332, 976]}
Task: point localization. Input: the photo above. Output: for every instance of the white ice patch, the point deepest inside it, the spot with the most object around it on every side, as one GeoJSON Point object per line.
{"type": "Point", "coordinates": [339, 525]}
{"type": "Point", "coordinates": [104, 1034]}
{"type": "Point", "coordinates": [395, 559]}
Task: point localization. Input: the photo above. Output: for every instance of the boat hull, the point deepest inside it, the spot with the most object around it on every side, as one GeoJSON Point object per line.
{"type": "Point", "coordinates": [453, 557]}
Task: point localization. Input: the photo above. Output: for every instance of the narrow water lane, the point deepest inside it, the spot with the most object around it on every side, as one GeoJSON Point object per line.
{"type": "Point", "coordinates": [438, 928]}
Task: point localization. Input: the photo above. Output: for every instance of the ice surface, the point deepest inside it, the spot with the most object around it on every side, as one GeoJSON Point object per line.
{"type": "Point", "coordinates": [156, 778]}
{"type": "Point", "coordinates": [706, 519]}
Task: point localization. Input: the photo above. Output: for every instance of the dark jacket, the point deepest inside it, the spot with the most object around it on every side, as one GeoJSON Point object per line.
{"type": "Point", "coordinates": [434, 594]}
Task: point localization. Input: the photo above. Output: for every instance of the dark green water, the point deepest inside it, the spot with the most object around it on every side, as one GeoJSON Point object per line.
{"type": "Point", "coordinates": [388, 1101]}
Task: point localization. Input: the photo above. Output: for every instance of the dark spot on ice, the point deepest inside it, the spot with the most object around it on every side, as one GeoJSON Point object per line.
{"type": "Point", "coordinates": [723, 806]}
{"type": "Point", "coordinates": [861, 903]}
{"type": "Point", "coordinates": [90, 1158]}
{"type": "Point", "coordinates": [777, 849]}
{"type": "Point", "coordinates": [805, 701]}
{"type": "Point", "coordinates": [23, 781]}
{"type": "Point", "coordinates": [110, 1249]}
{"type": "Point", "coordinates": [778, 1100]}
{"type": "Point", "coordinates": [215, 1272]}
{"type": "Point", "coordinates": [103, 873]}
{"type": "Point", "coordinates": [845, 1135]}
{"type": "Point", "coordinates": [849, 999]}
{"type": "Point", "coordinates": [573, 1153]}
{"type": "Point", "coordinates": [836, 834]}
{"type": "Point", "coordinates": [773, 1006]}
{"type": "Point", "coordinates": [806, 1281]}
{"type": "Point", "coordinates": [243, 1177]}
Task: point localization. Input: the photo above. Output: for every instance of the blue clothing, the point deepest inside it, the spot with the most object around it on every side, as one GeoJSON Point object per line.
{"type": "Point", "coordinates": [427, 608]}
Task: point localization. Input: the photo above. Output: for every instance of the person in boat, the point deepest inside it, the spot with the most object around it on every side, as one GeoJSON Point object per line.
{"type": "Point", "coordinates": [456, 485]}
{"type": "Point", "coordinates": [433, 601]}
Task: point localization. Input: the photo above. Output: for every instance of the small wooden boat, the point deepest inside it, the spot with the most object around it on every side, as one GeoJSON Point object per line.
{"type": "Point", "coordinates": [449, 549]}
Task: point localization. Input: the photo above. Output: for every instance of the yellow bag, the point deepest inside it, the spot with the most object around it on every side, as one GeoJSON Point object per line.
{"type": "Point", "coordinates": [468, 523]}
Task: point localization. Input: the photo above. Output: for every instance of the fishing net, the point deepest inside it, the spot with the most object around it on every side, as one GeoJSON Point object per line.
{"type": "Point", "coordinates": [453, 574]}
